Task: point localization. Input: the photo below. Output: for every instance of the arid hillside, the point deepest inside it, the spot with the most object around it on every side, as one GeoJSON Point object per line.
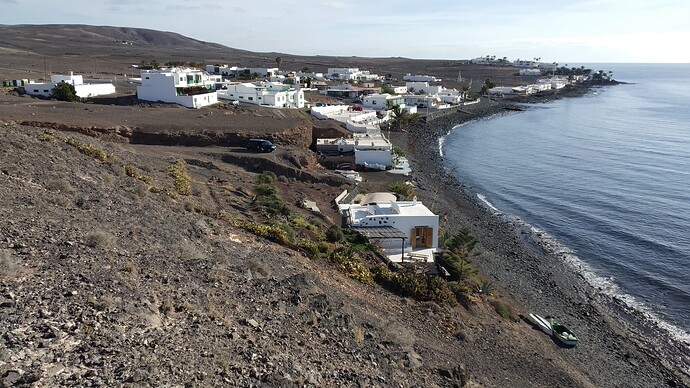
{"type": "Point", "coordinates": [34, 51]}
{"type": "Point", "coordinates": [112, 272]}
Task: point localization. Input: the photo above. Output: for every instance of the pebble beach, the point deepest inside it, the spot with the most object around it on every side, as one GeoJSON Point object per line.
{"type": "Point", "coordinates": [618, 347]}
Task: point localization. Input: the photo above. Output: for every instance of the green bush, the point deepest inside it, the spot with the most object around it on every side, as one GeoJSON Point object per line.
{"type": "Point", "coordinates": [504, 310]}
{"type": "Point", "coordinates": [268, 177]}
{"type": "Point", "coordinates": [269, 232]}
{"type": "Point", "coordinates": [403, 190]}
{"type": "Point", "coordinates": [334, 234]}
{"type": "Point", "coordinates": [414, 285]}
{"type": "Point", "coordinates": [397, 151]}
{"type": "Point", "coordinates": [90, 150]}
{"type": "Point", "coordinates": [351, 265]}
{"type": "Point", "coordinates": [48, 135]}
{"type": "Point", "coordinates": [308, 246]}
{"type": "Point", "coordinates": [265, 189]}
{"type": "Point", "coordinates": [182, 179]}
{"type": "Point", "coordinates": [267, 199]}
{"type": "Point", "coordinates": [131, 171]}
{"type": "Point", "coordinates": [64, 91]}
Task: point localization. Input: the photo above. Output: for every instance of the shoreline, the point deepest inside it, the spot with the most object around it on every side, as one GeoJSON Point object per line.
{"type": "Point", "coordinates": [621, 347]}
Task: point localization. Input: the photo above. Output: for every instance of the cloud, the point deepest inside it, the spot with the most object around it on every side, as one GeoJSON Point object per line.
{"type": "Point", "coordinates": [334, 5]}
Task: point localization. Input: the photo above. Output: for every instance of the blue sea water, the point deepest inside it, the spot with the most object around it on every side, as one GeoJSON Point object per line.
{"type": "Point", "coordinates": [607, 176]}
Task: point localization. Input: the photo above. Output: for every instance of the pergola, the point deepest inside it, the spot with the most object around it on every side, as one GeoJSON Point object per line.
{"type": "Point", "coordinates": [382, 233]}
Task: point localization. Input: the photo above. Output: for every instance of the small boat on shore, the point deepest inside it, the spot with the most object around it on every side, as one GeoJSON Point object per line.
{"type": "Point", "coordinates": [563, 334]}
{"type": "Point", "coordinates": [541, 323]}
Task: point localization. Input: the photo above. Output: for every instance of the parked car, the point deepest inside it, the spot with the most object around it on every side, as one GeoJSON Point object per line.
{"type": "Point", "coordinates": [260, 145]}
{"type": "Point", "coordinates": [234, 102]}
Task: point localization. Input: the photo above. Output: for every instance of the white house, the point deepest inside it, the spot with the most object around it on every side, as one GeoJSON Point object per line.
{"type": "Point", "coordinates": [423, 101]}
{"type": "Point", "coordinates": [420, 78]}
{"type": "Point", "coordinates": [45, 89]}
{"type": "Point", "coordinates": [423, 88]}
{"type": "Point", "coordinates": [235, 71]}
{"type": "Point", "coordinates": [191, 88]}
{"type": "Point", "coordinates": [399, 89]}
{"type": "Point", "coordinates": [499, 91]}
{"type": "Point", "coordinates": [526, 64]}
{"type": "Point", "coordinates": [377, 215]}
{"type": "Point", "coordinates": [554, 82]}
{"type": "Point", "coordinates": [383, 101]}
{"type": "Point", "coordinates": [530, 72]}
{"type": "Point", "coordinates": [350, 91]}
{"type": "Point", "coordinates": [351, 74]}
{"type": "Point", "coordinates": [272, 94]}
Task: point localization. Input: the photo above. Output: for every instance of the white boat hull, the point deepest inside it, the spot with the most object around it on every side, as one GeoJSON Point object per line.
{"type": "Point", "coordinates": [541, 323]}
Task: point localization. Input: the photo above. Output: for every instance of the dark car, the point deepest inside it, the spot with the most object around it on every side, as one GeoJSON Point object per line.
{"type": "Point", "coordinates": [261, 145]}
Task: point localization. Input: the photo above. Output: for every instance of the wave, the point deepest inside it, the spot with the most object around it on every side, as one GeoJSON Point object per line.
{"type": "Point", "coordinates": [605, 285]}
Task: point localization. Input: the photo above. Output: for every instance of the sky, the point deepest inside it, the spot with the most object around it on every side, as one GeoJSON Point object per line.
{"type": "Point", "coordinates": [575, 31]}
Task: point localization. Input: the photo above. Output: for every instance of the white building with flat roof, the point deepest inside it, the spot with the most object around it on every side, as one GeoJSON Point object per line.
{"type": "Point", "coordinates": [420, 78]}
{"type": "Point", "coordinates": [83, 90]}
{"type": "Point", "coordinates": [383, 101]}
{"type": "Point", "coordinates": [273, 94]}
{"type": "Point", "coordinates": [238, 71]}
{"type": "Point", "coordinates": [417, 225]}
{"type": "Point", "coordinates": [191, 88]}
{"type": "Point", "coordinates": [530, 72]}
{"type": "Point", "coordinates": [351, 74]}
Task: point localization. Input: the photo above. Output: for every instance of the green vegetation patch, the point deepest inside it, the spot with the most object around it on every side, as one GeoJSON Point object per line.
{"type": "Point", "coordinates": [505, 310]}
{"type": "Point", "coordinates": [266, 199]}
{"type": "Point", "coordinates": [90, 150]}
{"type": "Point", "coordinates": [132, 171]}
{"type": "Point", "coordinates": [415, 285]}
{"type": "Point", "coordinates": [351, 265]}
{"type": "Point", "coordinates": [403, 189]}
{"type": "Point", "coordinates": [183, 182]}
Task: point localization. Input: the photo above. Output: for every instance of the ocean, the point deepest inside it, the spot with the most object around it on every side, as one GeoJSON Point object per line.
{"type": "Point", "coordinates": [605, 178]}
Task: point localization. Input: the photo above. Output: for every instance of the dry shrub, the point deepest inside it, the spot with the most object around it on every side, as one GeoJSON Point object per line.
{"type": "Point", "coordinates": [100, 239]}
{"type": "Point", "coordinates": [130, 267]}
{"type": "Point", "coordinates": [59, 185]}
{"type": "Point", "coordinates": [359, 335]}
{"type": "Point", "coordinates": [167, 307]}
{"type": "Point", "coordinates": [505, 310]}
{"type": "Point", "coordinates": [8, 264]}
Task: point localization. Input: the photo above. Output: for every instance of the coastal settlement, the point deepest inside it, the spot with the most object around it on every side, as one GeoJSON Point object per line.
{"type": "Point", "coordinates": [351, 193]}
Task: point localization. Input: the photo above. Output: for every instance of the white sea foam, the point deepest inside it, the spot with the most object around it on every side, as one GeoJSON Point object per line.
{"type": "Point", "coordinates": [604, 284]}
{"type": "Point", "coordinates": [488, 204]}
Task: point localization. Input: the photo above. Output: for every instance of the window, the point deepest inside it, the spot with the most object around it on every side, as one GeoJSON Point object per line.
{"type": "Point", "coordinates": [251, 98]}
{"type": "Point", "coordinates": [373, 102]}
{"type": "Point", "coordinates": [36, 90]}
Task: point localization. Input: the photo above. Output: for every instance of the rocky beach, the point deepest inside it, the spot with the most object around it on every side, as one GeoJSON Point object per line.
{"type": "Point", "coordinates": [618, 346]}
